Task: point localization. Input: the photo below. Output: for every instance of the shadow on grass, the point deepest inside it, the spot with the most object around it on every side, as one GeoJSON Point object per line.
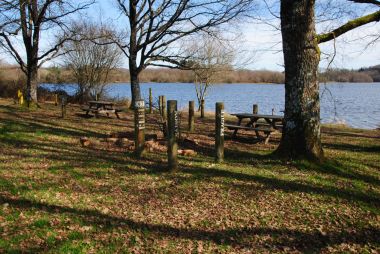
{"type": "Point", "coordinates": [237, 237]}
{"type": "Point", "coordinates": [92, 157]}
{"type": "Point", "coordinates": [348, 134]}
{"type": "Point", "coordinates": [335, 168]}
{"type": "Point", "coordinates": [32, 127]}
{"type": "Point", "coordinates": [291, 186]}
{"type": "Point", "coordinates": [354, 148]}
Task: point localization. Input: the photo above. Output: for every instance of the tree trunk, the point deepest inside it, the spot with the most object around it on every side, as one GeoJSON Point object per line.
{"type": "Point", "coordinates": [301, 137]}
{"type": "Point", "coordinates": [134, 70]}
{"type": "Point", "coordinates": [31, 84]}
{"type": "Point", "coordinates": [135, 86]}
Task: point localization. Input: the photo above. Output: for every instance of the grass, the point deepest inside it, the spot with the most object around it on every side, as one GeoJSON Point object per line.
{"type": "Point", "coordinates": [59, 197]}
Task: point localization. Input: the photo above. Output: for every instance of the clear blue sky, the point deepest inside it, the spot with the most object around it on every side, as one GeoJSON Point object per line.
{"type": "Point", "coordinates": [267, 43]}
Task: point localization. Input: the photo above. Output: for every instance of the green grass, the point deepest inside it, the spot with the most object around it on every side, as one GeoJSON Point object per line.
{"type": "Point", "coordinates": [59, 197]}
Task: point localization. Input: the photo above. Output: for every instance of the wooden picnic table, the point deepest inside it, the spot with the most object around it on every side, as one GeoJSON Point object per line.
{"type": "Point", "coordinates": [99, 107]}
{"type": "Point", "coordinates": [271, 123]}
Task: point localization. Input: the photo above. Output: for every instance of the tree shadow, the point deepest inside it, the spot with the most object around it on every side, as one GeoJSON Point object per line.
{"type": "Point", "coordinates": [354, 148]}
{"type": "Point", "coordinates": [48, 128]}
{"type": "Point", "coordinates": [333, 167]}
{"type": "Point", "coordinates": [371, 199]}
{"type": "Point", "coordinates": [348, 134]}
{"type": "Point", "coordinates": [279, 238]}
{"type": "Point", "coordinates": [271, 183]}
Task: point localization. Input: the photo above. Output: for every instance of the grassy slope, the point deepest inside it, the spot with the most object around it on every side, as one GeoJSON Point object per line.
{"type": "Point", "coordinates": [56, 196]}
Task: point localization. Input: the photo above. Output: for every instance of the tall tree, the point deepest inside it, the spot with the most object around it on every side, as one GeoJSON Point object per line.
{"type": "Point", "coordinates": [29, 19]}
{"type": "Point", "coordinates": [156, 26]}
{"type": "Point", "coordinates": [301, 134]}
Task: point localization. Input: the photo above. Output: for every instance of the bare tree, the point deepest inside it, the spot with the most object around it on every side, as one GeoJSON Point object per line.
{"type": "Point", "coordinates": [301, 134]}
{"type": "Point", "coordinates": [155, 27]}
{"type": "Point", "coordinates": [29, 19]}
{"type": "Point", "coordinates": [210, 56]}
{"type": "Point", "coordinates": [91, 59]}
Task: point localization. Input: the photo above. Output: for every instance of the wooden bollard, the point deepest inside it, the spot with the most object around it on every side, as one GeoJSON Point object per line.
{"type": "Point", "coordinates": [164, 114]}
{"type": "Point", "coordinates": [255, 109]}
{"type": "Point", "coordinates": [172, 135]}
{"type": "Point", "coordinates": [139, 108]}
{"type": "Point", "coordinates": [160, 104]}
{"type": "Point", "coordinates": [150, 101]}
{"type": "Point", "coordinates": [56, 100]}
{"type": "Point", "coordinates": [219, 132]}
{"type": "Point", "coordinates": [63, 106]}
{"type": "Point", "coordinates": [191, 115]}
{"type": "Point", "coordinates": [202, 108]}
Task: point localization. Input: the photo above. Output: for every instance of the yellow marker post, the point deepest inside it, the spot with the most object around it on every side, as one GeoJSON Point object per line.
{"type": "Point", "coordinates": [20, 97]}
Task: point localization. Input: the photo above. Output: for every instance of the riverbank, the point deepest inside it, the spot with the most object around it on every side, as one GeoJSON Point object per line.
{"type": "Point", "coordinates": [57, 196]}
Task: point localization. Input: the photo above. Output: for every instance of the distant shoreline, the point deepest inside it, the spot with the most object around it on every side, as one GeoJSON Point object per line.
{"type": "Point", "coordinates": [178, 83]}
{"type": "Point", "coordinates": [218, 84]}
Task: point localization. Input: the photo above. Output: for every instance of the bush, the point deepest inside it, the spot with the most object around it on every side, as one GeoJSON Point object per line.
{"type": "Point", "coordinates": [9, 88]}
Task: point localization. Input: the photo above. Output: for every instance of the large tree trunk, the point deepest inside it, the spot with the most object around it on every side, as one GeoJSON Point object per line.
{"type": "Point", "coordinates": [32, 84]}
{"type": "Point", "coordinates": [135, 86]}
{"type": "Point", "coordinates": [134, 71]}
{"type": "Point", "coordinates": [301, 137]}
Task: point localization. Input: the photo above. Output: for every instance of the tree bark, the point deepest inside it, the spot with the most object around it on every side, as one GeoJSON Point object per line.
{"type": "Point", "coordinates": [135, 86]}
{"type": "Point", "coordinates": [301, 137]}
{"type": "Point", "coordinates": [134, 69]}
{"type": "Point", "coordinates": [32, 84]}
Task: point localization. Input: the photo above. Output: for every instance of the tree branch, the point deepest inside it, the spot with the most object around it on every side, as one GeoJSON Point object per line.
{"type": "Point", "coordinates": [352, 24]}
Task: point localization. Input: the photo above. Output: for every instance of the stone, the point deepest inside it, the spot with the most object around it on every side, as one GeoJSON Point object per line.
{"type": "Point", "coordinates": [85, 141]}
{"type": "Point", "coordinates": [187, 152]}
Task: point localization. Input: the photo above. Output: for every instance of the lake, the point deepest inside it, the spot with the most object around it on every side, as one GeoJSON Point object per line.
{"type": "Point", "coordinates": [357, 105]}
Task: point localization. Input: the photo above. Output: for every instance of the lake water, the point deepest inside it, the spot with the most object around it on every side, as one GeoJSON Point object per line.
{"type": "Point", "coordinates": [357, 105]}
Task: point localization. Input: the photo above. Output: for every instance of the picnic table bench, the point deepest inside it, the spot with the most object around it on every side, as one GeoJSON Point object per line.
{"type": "Point", "coordinates": [271, 123]}
{"type": "Point", "coordinates": [101, 107]}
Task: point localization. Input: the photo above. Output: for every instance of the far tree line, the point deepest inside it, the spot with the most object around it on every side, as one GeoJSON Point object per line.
{"type": "Point", "coordinates": [11, 74]}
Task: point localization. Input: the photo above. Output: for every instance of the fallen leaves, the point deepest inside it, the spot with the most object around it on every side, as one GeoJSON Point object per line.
{"type": "Point", "coordinates": [59, 193]}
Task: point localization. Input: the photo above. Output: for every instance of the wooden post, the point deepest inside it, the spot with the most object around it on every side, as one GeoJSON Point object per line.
{"type": "Point", "coordinates": [56, 100]}
{"type": "Point", "coordinates": [160, 104]}
{"type": "Point", "coordinates": [63, 106]}
{"type": "Point", "coordinates": [96, 96]}
{"type": "Point", "coordinates": [164, 114]}
{"type": "Point", "coordinates": [172, 135]}
{"type": "Point", "coordinates": [150, 101]}
{"type": "Point", "coordinates": [191, 115]}
{"type": "Point", "coordinates": [255, 109]}
{"type": "Point", "coordinates": [202, 108]}
{"type": "Point", "coordinates": [139, 108]}
{"type": "Point", "coordinates": [219, 132]}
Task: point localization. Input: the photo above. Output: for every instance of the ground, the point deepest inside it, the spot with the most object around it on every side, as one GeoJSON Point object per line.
{"type": "Point", "coordinates": [60, 197]}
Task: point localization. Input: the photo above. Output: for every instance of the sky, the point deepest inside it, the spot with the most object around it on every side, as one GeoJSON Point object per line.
{"type": "Point", "coordinates": [265, 43]}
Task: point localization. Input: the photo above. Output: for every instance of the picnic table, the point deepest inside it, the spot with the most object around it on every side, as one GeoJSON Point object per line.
{"type": "Point", "coordinates": [257, 123]}
{"type": "Point", "coordinates": [101, 107]}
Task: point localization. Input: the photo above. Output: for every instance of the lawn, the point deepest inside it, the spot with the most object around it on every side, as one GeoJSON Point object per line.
{"type": "Point", "coordinates": [57, 196]}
